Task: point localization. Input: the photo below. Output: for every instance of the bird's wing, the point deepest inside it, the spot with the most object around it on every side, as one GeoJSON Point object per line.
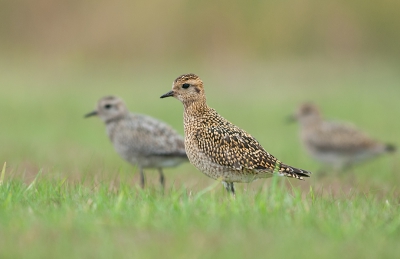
{"type": "Point", "coordinates": [229, 146]}
{"type": "Point", "coordinates": [149, 136]}
{"type": "Point", "coordinates": [339, 137]}
{"type": "Point", "coordinates": [234, 148]}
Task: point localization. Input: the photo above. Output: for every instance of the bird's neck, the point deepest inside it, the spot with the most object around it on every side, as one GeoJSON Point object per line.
{"type": "Point", "coordinates": [116, 118]}
{"type": "Point", "coordinates": [195, 107]}
{"type": "Point", "coordinates": [310, 123]}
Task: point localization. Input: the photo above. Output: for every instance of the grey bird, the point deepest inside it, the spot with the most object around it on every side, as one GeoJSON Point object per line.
{"type": "Point", "coordinates": [336, 144]}
{"type": "Point", "coordinates": [139, 139]}
{"type": "Point", "coordinates": [217, 147]}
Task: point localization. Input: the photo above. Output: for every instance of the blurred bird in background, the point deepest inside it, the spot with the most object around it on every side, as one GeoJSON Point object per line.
{"type": "Point", "coordinates": [139, 139]}
{"type": "Point", "coordinates": [336, 144]}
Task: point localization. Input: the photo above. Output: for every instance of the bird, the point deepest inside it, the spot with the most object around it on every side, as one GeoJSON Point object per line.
{"type": "Point", "coordinates": [218, 148]}
{"type": "Point", "coordinates": [140, 139]}
{"type": "Point", "coordinates": [339, 145]}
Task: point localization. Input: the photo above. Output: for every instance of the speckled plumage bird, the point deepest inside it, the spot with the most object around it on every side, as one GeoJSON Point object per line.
{"type": "Point", "coordinates": [217, 147]}
{"type": "Point", "coordinates": [336, 144]}
{"type": "Point", "coordinates": [139, 139]}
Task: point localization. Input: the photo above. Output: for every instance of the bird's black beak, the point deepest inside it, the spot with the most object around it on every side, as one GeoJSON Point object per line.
{"type": "Point", "coordinates": [90, 114]}
{"type": "Point", "coordinates": [169, 94]}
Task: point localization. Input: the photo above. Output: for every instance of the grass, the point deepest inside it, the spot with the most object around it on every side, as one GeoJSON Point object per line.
{"type": "Point", "coordinates": [56, 219]}
{"type": "Point", "coordinates": [65, 193]}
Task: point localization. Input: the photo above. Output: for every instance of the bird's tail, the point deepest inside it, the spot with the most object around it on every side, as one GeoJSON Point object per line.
{"type": "Point", "coordinates": [293, 172]}
{"type": "Point", "coordinates": [390, 148]}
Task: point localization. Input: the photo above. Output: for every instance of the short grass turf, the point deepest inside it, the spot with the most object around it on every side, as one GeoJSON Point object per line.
{"type": "Point", "coordinates": [66, 193]}
{"type": "Point", "coordinates": [57, 219]}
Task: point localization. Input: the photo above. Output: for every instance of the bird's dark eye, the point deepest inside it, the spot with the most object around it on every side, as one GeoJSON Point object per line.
{"type": "Point", "coordinates": [107, 106]}
{"type": "Point", "coordinates": [185, 86]}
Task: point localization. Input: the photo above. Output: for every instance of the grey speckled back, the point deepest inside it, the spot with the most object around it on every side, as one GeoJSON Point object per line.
{"type": "Point", "coordinates": [146, 141]}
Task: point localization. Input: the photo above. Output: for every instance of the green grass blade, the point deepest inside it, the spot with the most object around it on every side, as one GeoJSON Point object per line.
{"type": "Point", "coordinates": [3, 172]}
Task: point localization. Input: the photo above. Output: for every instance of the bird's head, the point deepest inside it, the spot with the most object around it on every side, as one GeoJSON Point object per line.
{"type": "Point", "coordinates": [187, 88]}
{"type": "Point", "coordinates": [307, 113]}
{"type": "Point", "coordinates": [109, 108]}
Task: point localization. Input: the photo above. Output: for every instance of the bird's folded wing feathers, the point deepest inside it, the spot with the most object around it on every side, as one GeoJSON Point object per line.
{"type": "Point", "coordinates": [339, 137]}
{"type": "Point", "coordinates": [153, 138]}
{"type": "Point", "coordinates": [234, 148]}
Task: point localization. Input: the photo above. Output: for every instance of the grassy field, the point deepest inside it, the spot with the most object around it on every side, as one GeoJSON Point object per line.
{"type": "Point", "coordinates": [65, 193]}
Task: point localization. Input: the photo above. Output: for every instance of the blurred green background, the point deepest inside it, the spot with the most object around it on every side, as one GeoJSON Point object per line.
{"type": "Point", "coordinates": [258, 60]}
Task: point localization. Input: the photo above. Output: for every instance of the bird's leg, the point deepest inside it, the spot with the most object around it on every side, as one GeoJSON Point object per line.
{"type": "Point", "coordinates": [162, 178]}
{"type": "Point", "coordinates": [142, 180]}
{"type": "Point", "coordinates": [233, 190]}
{"type": "Point", "coordinates": [229, 187]}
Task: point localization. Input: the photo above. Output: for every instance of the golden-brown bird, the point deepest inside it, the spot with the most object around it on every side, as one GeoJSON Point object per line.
{"type": "Point", "coordinates": [217, 147]}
